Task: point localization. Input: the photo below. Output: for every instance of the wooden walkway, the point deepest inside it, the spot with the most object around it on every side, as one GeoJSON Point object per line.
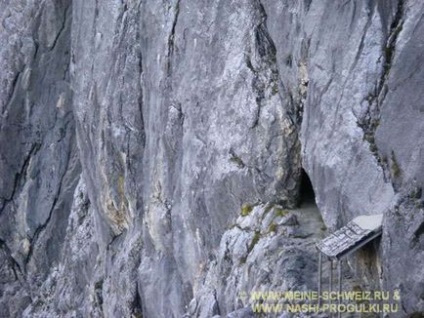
{"type": "Point", "coordinates": [352, 236]}
{"type": "Point", "coordinates": [345, 241]}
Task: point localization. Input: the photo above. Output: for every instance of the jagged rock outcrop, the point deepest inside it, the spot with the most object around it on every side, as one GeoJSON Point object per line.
{"type": "Point", "coordinates": [134, 133]}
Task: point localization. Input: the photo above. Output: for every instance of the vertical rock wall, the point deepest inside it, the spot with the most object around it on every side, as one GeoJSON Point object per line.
{"type": "Point", "coordinates": [177, 116]}
{"type": "Point", "coordinates": [39, 163]}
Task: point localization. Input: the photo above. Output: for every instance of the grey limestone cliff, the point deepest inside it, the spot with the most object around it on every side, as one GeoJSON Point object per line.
{"type": "Point", "coordinates": [156, 155]}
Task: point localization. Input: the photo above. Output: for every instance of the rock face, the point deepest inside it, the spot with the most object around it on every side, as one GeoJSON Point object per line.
{"type": "Point", "coordinates": [153, 152]}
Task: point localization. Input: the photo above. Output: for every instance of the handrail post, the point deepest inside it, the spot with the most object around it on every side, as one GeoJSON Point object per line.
{"type": "Point", "coordinates": [319, 277]}
{"type": "Point", "coordinates": [340, 285]}
{"type": "Point", "coordinates": [331, 286]}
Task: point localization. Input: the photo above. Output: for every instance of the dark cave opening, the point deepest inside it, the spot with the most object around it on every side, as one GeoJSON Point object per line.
{"type": "Point", "coordinates": [306, 190]}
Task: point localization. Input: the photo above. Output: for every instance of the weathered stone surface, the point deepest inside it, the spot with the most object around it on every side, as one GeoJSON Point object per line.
{"type": "Point", "coordinates": [175, 117]}
{"type": "Point", "coordinates": [39, 164]}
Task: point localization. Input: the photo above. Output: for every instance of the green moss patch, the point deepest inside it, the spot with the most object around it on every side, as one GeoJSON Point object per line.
{"type": "Point", "coordinates": [246, 209]}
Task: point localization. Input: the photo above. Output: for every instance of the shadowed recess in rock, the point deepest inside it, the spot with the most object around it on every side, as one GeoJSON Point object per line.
{"type": "Point", "coordinates": [306, 191]}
